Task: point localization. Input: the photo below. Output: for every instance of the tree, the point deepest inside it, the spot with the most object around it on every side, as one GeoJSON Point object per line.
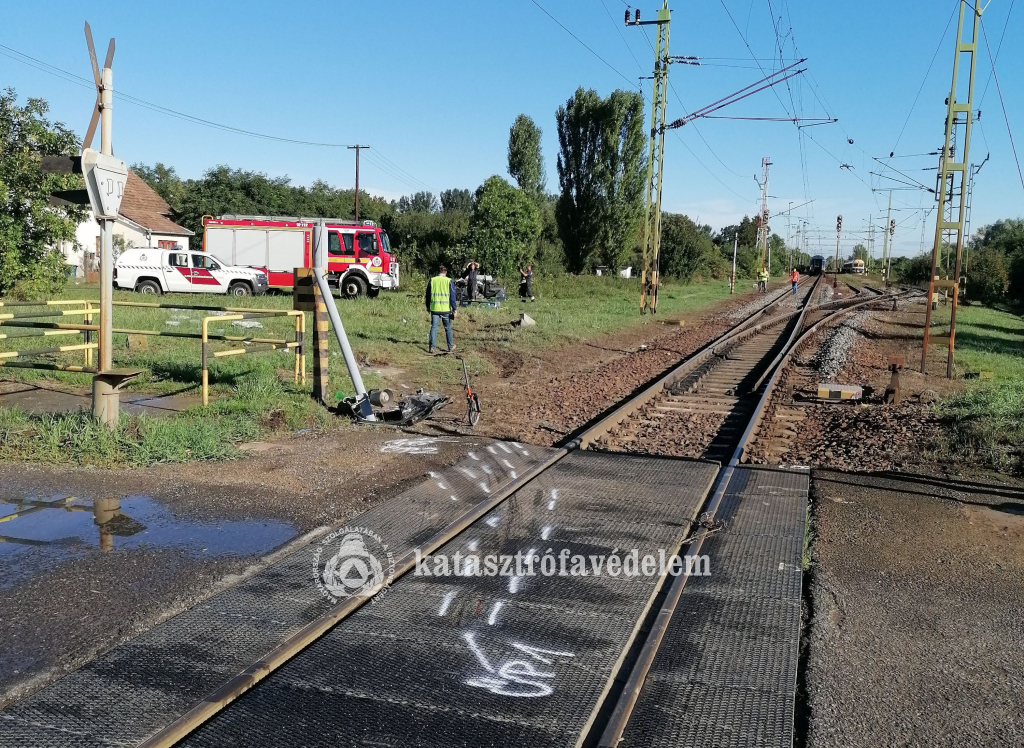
{"type": "Point", "coordinates": [988, 279]}
{"type": "Point", "coordinates": [623, 175]}
{"type": "Point", "coordinates": [747, 230]}
{"type": "Point", "coordinates": [1007, 238]}
{"type": "Point", "coordinates": [420, 202]}
{"type": "Point", "coordinates": [600, 175]}
{"type": "Point", "coordinates": [165, 182]}
{"type": "Point", "coordinates": [29, 227]}
{"type": "Point", "coordinates": [456, 201]}
{"type": "Point", "coordinates": [525, 162]}
{"type": "Point", "coordinates": [504, 226]}
{"type": "Point", "coordinates": [687, 251]}
{"type": "Point", "coordinates": [860, 252]}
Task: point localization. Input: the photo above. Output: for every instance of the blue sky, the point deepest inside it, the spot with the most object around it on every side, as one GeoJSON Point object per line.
{"type": "Point", "coordinates": [433, 88]}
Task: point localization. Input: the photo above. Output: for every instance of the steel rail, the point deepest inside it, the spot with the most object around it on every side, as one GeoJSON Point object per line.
{"type": "Point", "coordinates": [619, 718]}
{"type": "Point", "coordinates": [750, 325]}
{"type": "Point", "coordinates": [238, 685]}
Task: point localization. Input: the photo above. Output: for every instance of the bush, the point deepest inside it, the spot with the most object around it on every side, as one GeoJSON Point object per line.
{"type": "Point", "coordinates": [988, 278]}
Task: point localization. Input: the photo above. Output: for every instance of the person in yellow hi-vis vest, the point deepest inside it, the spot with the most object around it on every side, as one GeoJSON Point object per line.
{"type": "Point", "coordinates": [440, 301]}
{"type": "Point", "coordinates": [762, 280]}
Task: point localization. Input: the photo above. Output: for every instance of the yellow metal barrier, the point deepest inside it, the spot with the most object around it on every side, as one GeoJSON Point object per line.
{"type": "Point", "coordinates": [267, 344]}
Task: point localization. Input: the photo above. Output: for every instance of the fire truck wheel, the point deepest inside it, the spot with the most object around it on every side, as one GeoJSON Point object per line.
{"type": "Point", "coordinates": [353, 286]}
{"type": "Point", "coordinates": [240, 289]}
{"type": "Point", "coordinates": [373, 292]}
{"type": "Point", "coordinates": [148, 287]}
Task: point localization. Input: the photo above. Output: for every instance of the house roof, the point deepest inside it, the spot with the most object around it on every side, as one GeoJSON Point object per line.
{"type": "Point", "coordinates": [142, 205]}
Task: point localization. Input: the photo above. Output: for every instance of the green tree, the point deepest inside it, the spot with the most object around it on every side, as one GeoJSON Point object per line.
{"type": "Point", "coordinates": [165, 182]}
{"type": "Point", "coordinates": [456, 201]}
{"type": "Point", "coordinates": [600, 175]}
{"type": "Point", "coordinates": [29, 227]}
{"type": "Point", "coordinates": [623, 174]}
{"type": "Point", "coordinates": [525, 162]}
{"type": "Point", "coordinates": [580, 206]}
{"type": "Point", "coordinates": [687, 250]}
{"type": "Point", "coordinates": [504, 227]}
{"type": "Point", "coordinates": [1007, 238]}
{"type": "Point", "coordinates": [420, 202]}
{"type": "Point", "coordinates": [860, 252]}
{"type": "Point", "coordinates": [989, 279]}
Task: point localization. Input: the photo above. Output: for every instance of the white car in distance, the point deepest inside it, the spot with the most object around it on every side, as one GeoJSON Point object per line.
{"type": "Point", "coordinates": [149, 270]}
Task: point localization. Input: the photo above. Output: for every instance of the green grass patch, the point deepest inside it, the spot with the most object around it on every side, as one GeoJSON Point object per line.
{"type": "Point", "coordinates": [986, 422]}
{"type": "Point", "coordinates": [261, 406]}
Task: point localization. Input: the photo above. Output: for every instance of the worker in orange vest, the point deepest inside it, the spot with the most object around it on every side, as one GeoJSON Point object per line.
{"type": "Point", "coordinates": [794, 277]}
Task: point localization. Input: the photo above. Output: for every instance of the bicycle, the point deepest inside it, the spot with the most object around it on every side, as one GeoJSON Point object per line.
{"type": "Point", "coordinates": [472, 401]}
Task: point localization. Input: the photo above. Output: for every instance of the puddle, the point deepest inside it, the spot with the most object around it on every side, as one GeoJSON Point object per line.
{"type": "Point", "coordinates": [40, 533]}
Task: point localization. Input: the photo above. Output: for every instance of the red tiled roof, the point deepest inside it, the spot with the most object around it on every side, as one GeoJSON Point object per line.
{"type": "Point", "coordinates": [142, 205]}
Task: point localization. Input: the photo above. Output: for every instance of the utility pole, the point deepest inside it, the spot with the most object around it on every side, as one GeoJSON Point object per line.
{"type": "Point", "coordinates": [949, 168]}
{"type": "Point", "coordinates": [839, 228]}
{"type": "Point", "coordinates": [357, 148]}
{"type": "Point", "coordinates": [871, 241]}
{"type": "Point", "coordinates": [762, 219]}
{"type": "Point", "coordinates": [886, 250]}
{"type": "Point", "coordinates": [655, 160]}
{"type": "Point", "coordinates": [789, 245]}
{"type": "Point", "coordinates": [892, 235]}
{"type": "Point", "coordinates": [975, 168]}
{"type": "Point", "coordinates": [732, 279]}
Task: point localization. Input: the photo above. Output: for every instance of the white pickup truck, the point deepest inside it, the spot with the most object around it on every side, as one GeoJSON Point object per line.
{"type": "Point", "coordinates": [150, 270]}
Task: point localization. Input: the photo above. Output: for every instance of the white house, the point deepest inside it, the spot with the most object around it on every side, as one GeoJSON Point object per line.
{"type": "Point", "coordinates": [144, 221]}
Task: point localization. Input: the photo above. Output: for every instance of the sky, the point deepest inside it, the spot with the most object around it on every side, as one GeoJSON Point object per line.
{"type": "Point", "coordinates": [434, 87]}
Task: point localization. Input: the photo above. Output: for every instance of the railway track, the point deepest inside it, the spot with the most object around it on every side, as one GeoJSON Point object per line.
{"type": "Point", "coordinates": [528, 662]}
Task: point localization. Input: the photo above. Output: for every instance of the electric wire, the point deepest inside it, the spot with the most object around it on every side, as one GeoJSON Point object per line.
{"type": "Point", "coordinates": [70, 77]}
{"type": "Point", "coordinates": [1002, 103]}
{"type": "Point", "coordinates": [584, 44]}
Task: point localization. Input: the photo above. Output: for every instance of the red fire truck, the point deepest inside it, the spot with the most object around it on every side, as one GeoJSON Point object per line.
{"type": "Point", "coordinates": [359, 255]}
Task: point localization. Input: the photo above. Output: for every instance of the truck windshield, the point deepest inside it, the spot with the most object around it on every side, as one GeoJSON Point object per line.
{"type": "Point", "coordinates": [385, 242]}
{"type": "Point", "coordinates": [368, 243]}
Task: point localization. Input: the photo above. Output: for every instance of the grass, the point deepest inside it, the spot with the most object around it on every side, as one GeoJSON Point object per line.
{"type": "Point", "coordinates": [253, 395]}
{"type": "Point", "coordinates": [986, 422]}
{"type": "Point", "coordinates": [261, 405]}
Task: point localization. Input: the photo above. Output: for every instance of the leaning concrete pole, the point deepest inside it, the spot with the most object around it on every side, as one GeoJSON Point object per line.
{"type": "Point", "coordinates": [363, 407]}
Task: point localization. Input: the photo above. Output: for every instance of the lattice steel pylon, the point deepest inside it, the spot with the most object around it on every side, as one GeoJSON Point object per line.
{"type": "Point", "coordinates": [655, 162]}
{"type": "Point", "coordinates": [952, 180]}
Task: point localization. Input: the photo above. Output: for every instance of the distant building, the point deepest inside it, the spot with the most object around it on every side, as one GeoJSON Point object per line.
{"type": "Point", "coordinates": [145, 221]}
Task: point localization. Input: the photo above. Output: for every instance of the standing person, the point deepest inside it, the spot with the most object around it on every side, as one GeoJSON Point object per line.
{"type": "Point", "coordinates": [440, 301]}
{"type": "Point", "coordinates": [762, 280]}
{"type": "Point", "coordinates": [470, 274]}
{"type": "Point", "coordinates": [794, 278]}
{"type": "Point", "coordinates": [525, 283]}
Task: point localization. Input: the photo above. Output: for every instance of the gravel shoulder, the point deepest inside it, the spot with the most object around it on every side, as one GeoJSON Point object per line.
{"type": "Point", "coordinates": [917, 588]}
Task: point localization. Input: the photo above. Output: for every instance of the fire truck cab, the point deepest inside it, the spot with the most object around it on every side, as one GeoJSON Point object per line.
{"type": "Point", "coordinates": [359, 256]}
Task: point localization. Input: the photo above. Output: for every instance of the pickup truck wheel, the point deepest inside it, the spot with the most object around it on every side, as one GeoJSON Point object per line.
{"type": "Point", "coordinates": [353, 286]}
{"type": "Point", "coordinates": [240, 288]}
{"type": "Point", "coordinates": [148, 287]}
